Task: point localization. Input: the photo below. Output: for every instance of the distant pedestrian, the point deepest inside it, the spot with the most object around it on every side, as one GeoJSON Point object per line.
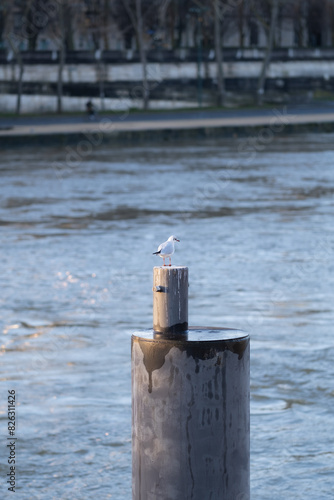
{"type": "Point", "coordinates": [90, 110]}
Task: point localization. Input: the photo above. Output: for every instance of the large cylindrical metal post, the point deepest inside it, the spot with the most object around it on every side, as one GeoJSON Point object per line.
{"type": "Point", "coordinates": [190, 403]}
{"type": "Point", "coordinates": [190, 413]}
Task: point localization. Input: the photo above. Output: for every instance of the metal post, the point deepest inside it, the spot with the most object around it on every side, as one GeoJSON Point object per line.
{"type": "Point", "coordinates": [190, 404]}
{"type": "Point", "coordinates": [170, 300]}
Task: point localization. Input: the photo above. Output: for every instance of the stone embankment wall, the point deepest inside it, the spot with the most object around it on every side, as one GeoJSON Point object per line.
{"type": "Point", "coordinates": [172, 84]}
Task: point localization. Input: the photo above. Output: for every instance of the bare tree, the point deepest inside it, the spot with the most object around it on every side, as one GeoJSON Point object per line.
{"type": "Point", "coordinates": [136, 17]}
{"type": "Point", "coordinates": [14, 41]}
{"type": "Point", "coordinates": [298, 18]}
{"type": "Point", "coordinates": [270, 41]}
{"type": "Point", "coordinates": [61, 42]}
{"type": "Point", "coordinates": [19, 58]}
{"type": "Point", "coordinates": [318, 23]}
{"type": "Point", "coordinates": [5, 10]}
{"type": "Point", "coordinates": [62, 37]}
{"type": "Point", "coordinates": [142, 51]}
{"type": "Point", "coordinates": [36, 20]}
{"type": "Point", "coordinates": [105, 21]}
{"type": "Point", "coordinates": [219, 55]}
{"type": "Point", "coordinates": [97, 26]}
{"type": "Point", "coordinates": [241, 18]}
{"type": "Point", "coordinates": [58, 33]}
{"type": "Point", "coordinates": [179, 20]}
{"type": "Point", "coordinates": [139, 18]}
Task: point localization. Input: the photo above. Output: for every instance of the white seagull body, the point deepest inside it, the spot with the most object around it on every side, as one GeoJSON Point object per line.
{"type": "Point", "coordinates": [166, 249]}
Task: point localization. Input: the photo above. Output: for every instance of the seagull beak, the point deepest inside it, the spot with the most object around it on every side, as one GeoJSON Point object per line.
{"type": "Point", "coordinates": [177, 240]}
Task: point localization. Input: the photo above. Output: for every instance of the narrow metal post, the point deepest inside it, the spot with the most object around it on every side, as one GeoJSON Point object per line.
{"type": "Point", "coordinates": [170, 299]}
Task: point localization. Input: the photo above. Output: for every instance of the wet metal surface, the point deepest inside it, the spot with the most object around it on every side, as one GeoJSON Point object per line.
{"type": "Point", "coordinates": [190, 417]}
{"type": "Point", "coordinates": [170, 299]}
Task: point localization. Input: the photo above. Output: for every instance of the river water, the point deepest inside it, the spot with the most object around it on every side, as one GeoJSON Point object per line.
{"type": "Point", "coordinates": [256, 231]}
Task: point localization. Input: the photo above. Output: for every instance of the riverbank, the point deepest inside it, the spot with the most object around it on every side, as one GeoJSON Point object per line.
{"type": "Point", "coordinates": [138, 128]}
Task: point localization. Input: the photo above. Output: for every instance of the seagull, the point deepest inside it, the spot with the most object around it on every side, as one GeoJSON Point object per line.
{"type": "Point", "coordinates": [166, 249]}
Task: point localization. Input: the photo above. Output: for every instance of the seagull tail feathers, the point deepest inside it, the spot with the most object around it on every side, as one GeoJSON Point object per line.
{"type": "Point", "coordinates": [156, 253]}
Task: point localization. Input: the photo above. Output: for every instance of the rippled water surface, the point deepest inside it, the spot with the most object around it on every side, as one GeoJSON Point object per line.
{"type": "Point", "coordinates": [256, 231]}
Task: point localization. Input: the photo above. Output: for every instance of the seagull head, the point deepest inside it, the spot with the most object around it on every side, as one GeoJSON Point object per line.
{"type": "Point", "coordinates": [173, 238]}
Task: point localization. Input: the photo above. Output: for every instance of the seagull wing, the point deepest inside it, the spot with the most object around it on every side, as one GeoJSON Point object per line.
{"type": "Point", "coordinates": [160, 248]}
{"type": "Point", "coordinates": [167, 248]}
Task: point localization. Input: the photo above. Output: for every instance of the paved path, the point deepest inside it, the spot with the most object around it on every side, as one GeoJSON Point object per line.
{"type": "Point", "coordinates": [276, 116]}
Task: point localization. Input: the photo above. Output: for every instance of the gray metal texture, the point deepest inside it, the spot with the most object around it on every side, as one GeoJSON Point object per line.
{"type": "Point", "coordinates": [170, 299]}
{"type": "Point", "coordinates": [190, 416]}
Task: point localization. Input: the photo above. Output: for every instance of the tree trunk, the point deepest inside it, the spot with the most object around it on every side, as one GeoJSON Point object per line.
{"type": "Point", "coordinates": [61, 57]}
{"type": "Point", "coordinates": [69, 31]}
{"type": "Point", "coordinates": [101, 80]}
{"type": "Point", "coordinates": [60, 76]}
{"type": "Point", "coordinates": [219, 57]}
{"type": "Point", "coordinates": [19, 83]}
{"type": "Point", "coordinates": [106, 24]}
{"type": "Point", "coordinates": [31, 13]}
{"type": "Point", "coordinates": [3, 23]}
{"type": "Point", "coordinates": [241, 24]}
{"type": "Point", "coordinates": [327, 24]}
{"type": "Point", "coordinates": [180, 25]}
{"type": "Point", "coordinates": [19, 58]}
{"type": "Point", "coordinates": [266, 60]}
{"type": "Point", "coordinates": [142, 53]}
{"type": "Point", "coordinates": [32, 41]}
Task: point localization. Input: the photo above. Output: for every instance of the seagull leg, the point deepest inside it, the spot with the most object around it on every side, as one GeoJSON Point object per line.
{"type": "Point", "coordinates": [164, 260]}
{"type": "Point", "coordinates": [170, 261]}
